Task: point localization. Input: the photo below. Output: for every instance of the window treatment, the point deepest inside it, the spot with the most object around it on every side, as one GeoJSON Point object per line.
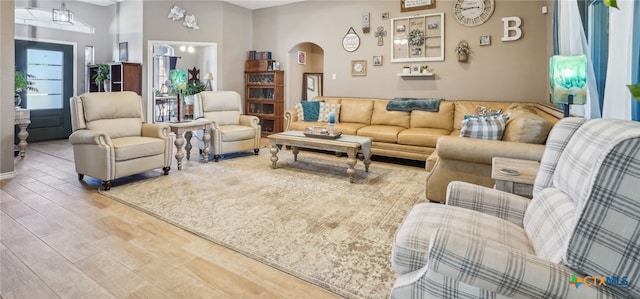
{"type": "Point", "coordinates": [617, 99]}
{"type": "Point", "coordinates": [572, 41]}
{"type": "Point", "coordinates": [635, 104]}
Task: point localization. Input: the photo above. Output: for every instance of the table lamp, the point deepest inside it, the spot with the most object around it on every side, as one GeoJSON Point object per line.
{"type": "Point", "coordinates": [209, 78]}
{"type": "Point", "coordinates": [568, 80]}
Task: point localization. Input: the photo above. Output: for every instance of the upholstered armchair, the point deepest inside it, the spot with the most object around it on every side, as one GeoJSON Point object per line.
{"type": "Point", "coordinates": [231, 130]}
{"type": "Point", "coordinates": [110, 139]}
{"type": "Point", "coordinates": [579, 237]}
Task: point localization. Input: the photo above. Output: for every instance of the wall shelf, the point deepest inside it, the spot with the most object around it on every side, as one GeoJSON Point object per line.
{"type": "Point", "coordinates": [416, 75]}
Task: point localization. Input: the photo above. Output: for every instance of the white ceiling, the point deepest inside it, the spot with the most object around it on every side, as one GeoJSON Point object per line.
{"type": "Point", "coordinates": [250, 4]}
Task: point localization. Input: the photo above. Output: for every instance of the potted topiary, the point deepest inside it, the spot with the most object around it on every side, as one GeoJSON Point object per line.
{"type": "Point", "coordinates": [101, 76]}
{"type": "Point", "coordinates": [462, 50]}
{"type": "Point", "coordinates": [23, 82]}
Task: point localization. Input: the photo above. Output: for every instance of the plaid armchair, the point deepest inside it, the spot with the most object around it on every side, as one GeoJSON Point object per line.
{"type": "Point", "coordinates": [583, 220]}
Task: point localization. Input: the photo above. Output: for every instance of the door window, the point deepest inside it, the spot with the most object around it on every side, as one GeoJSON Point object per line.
{"type": "Point", "coordinates": [47, 69]}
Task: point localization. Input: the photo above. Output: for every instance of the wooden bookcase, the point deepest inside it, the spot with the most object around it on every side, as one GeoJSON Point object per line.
{"type": "Point", "coordinates": [264, 94]}
{"type": "Point", "coordinates": [124, 76]}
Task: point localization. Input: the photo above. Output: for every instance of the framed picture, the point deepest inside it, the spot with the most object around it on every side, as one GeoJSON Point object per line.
{"type": "Point", "coordinates": [123, 51]}
{"type": "Point", "coordinates": [377, 60]}
{"type": "Point", "coordinates": [417, 38]}
{"type": "Point", "coordinates": [413, 5]}
{"type": "Point", "coordinates": [415, 69]}
{"type": "Point", "coordinates": [385, 15]}
{"type": "Point", "coordinates": [311, 83]}
{"type": "Point", "coordinates": [358, 67]}
{"type": "Point", "coordinates": [302, 57]}
{"type": "Point", "coordinates": [485, 40]}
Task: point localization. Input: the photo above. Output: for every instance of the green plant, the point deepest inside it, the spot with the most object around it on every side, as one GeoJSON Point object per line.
{"type": "Point", "coordinates": [102, 74]}
{"type": "Point", "coordinates": [193, 87]}
{"type": "Point", "coordinates": [23, 82]}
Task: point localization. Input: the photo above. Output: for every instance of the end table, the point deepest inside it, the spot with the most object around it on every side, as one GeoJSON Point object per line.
{"type": "Point", "coordinates": [185, 128]}
{"type": "Point", "coordinates": [521, 184]}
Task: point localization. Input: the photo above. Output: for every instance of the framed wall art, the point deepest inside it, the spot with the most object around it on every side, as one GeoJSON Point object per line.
{"type": "Point", "coordinates": [123, 51]}
{"type": "Point", "coordinates": [377, 60]}
{"type": "Point", "coordinates": [358, 67]}
{"type": "Point", "coordinates": [413, 5]}
{"type": "Point", "coordinates": [417, 38]}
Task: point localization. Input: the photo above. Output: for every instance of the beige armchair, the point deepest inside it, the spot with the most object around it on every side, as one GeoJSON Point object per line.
{"type": "Point", "coordinates": [110, 139]}
{"type": "Point", "coordinates": [231, 130]}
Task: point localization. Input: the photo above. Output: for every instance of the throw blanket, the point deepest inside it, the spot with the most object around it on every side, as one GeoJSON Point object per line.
{"type": "Point", "coordinates": [409, 104]}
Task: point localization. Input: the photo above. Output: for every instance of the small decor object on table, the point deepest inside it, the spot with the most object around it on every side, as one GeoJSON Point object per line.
{"type": "Point", "coordinates": [415, 69]}
{"type": "Point", "coordinates": [123, 51]}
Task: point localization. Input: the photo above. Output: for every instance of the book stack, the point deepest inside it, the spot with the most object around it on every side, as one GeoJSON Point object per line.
{"type": "Point", "coordinates": [260, 62]}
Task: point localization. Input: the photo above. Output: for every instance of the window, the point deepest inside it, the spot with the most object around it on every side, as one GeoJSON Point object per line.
{"type": "Point", "coordinates": [163, 53]}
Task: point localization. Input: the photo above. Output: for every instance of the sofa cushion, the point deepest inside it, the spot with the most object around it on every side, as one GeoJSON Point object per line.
{"type": "Point", "coordinates": [348, 128]}
{"type": "Point", "coordinates": [232, 133]}
{"type": "Point", "coordinates": [526, 127]}
{"type": "Point", "coordinates": [382, 116]}
{"type": "Point", "coordinates": [421, 136]}
{"type": "Point", "coordinates": [356, 111]}
{"type": "Point", "coordinates": [381, 133]}
{"type": "Point", "coordinates": [443, 119]}
{"type": "Point", "coordinates": [325, 109]}
{"type": "Point", "coordinates": [490, 128]}
{"type": "Point", "coordinates": [310, 110]}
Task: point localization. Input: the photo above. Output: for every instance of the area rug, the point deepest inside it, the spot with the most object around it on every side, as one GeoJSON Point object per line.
{"type": "Point", "coordinates": [303, 218]}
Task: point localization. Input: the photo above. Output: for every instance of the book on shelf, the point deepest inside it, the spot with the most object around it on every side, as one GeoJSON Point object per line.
{"type": "Point", "coordinates": [255, 55]}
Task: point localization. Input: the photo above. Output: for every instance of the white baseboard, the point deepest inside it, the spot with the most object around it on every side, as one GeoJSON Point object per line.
{"type": "Point", "coordinates": [7, 175]}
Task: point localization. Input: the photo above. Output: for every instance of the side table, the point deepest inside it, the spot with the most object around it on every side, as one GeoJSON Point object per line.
{"type": "Point", "coordinates": [184, 130]}
{"type": "Point", "coordinates": [22, 118]}
{"type": "Point", "coordinates": [521, 184]}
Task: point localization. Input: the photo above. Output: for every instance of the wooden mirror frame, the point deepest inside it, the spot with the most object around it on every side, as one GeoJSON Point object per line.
{"type": "Point", "coordinates": [313, 87]}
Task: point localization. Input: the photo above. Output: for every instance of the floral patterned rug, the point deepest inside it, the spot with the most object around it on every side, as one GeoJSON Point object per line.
{"type": "Point", "coordinates": [303, 218]}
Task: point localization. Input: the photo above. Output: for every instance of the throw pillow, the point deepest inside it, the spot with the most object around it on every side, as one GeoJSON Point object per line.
{"type": "Point", "coordinates": [526, 127]}
{"type": "Point", "coordinates": [310, 110]}
{"type": "Point", "coordinates": [325, 108]}
{"type": "Point", "coordinates": [490, 128]}
{"type": "Point", "coordinates": [299, 111]}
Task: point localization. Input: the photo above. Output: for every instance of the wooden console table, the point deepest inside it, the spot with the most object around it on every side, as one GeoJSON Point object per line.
{"type": "Point", "coordinates": [22, 118]}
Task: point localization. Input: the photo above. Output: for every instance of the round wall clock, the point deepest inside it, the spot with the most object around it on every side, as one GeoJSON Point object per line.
{"type": "Point", "coordinates": [473, 12]}
{"type": "Point", "coordinates": [351, 41]}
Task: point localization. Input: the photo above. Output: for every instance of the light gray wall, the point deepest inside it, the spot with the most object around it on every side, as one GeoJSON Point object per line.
{"type": "Point", "coordinates": [7, 87]}
{"type": "Point", "coordinates": [503, 71]}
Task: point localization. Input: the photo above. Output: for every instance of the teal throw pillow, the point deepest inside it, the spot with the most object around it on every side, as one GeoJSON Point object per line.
{"type": "Point", "coordinates": [311, 110]}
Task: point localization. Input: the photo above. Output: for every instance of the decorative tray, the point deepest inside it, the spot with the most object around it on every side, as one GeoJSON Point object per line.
{"type": "Point", "coordinates": [323, 135]}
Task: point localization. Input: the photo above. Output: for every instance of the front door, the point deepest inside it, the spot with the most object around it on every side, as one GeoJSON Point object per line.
{"type": "Point", "coordinates": [50, 67]}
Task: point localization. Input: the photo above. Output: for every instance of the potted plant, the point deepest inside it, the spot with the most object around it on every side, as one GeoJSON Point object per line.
{"type": "Point", "coordinates": [462, 50]}
{"type": "Point", "coordinates": [23, 82]}
{"type": "Point", "coordinates": [101, 76]}
{"type": "Point", "coordinates": [406, 69]}
{"type": "Point", "coordinates": [191, 89]}
{"type": "Point", "coordinates": [425, 68]}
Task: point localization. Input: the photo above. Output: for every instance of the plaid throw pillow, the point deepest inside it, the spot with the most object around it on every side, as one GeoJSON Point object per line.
{"type": "Point", "coordinates": [325, 108]}
{"type": "Point", "coordinates": [300, 111]}
{"type": "Point", "coordinates": [490, 128]}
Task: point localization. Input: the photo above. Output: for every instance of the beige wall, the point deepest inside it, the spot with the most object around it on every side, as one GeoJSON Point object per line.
{"type": "Point", "coordinates": [503, 71]}
{"type": "Point", "coordinates": [7, 58]}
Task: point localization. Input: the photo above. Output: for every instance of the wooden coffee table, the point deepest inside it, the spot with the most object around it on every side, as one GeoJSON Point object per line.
{"type": "Point", "coordinates": [352, 145]}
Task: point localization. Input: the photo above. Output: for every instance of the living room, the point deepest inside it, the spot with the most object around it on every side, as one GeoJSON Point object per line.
{"type": "Point", "coordinates": [512, 70]}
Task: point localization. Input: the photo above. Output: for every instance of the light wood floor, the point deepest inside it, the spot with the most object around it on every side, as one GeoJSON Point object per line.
{"type": "Point", "coordinates": [59, 238]}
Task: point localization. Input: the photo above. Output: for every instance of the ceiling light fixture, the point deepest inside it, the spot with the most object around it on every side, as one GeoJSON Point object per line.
{"type": "Point", "coordinates": [62, 15]}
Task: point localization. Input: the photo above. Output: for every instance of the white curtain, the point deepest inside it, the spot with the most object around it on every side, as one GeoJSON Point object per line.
{"type": "Point", "coordinates": [617, 99]}
{"type": "Point", "coordinates": [572, 41]}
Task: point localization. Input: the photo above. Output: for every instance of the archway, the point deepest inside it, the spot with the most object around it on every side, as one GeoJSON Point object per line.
{"type": "Point", "coordinates": [313, 62]}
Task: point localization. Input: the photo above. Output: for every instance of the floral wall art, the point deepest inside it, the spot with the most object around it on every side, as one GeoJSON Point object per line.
{"type": "Point", "coordinates": [177, 13]}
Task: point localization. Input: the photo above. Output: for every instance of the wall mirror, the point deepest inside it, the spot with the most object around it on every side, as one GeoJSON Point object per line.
{"type": "Point", "coordinates": [311, 85]}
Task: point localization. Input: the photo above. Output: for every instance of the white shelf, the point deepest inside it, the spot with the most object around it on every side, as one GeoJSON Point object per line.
{"type": "Point", "coordinates": [416, 75]}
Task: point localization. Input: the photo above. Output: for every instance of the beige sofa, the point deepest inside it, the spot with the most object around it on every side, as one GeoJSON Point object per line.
{"type": "Point", "coordinates": [416, 135]}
